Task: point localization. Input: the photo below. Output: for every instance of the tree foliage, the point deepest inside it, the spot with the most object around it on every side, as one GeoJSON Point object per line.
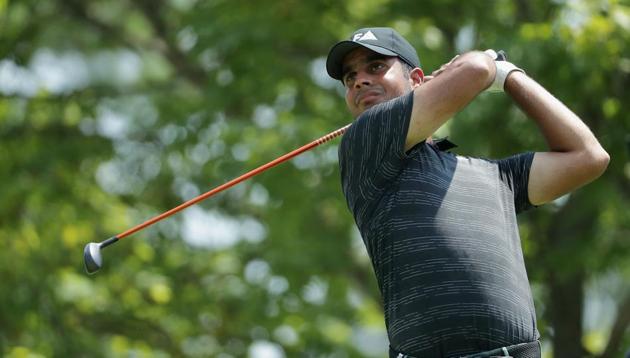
{"type": "Point", "coordinates": [114, 111]}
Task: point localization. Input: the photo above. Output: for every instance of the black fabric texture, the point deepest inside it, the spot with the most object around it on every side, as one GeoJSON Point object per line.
{"type": "Point", "coordinates": [442, 236]}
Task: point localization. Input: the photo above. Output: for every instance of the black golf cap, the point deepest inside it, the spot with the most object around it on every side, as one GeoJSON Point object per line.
{"type": "Point", "coordinates": [383, 40]}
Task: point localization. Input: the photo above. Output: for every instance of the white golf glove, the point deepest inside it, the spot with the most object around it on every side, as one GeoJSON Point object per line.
{"type": "Point", "coordinates": [503, 70]}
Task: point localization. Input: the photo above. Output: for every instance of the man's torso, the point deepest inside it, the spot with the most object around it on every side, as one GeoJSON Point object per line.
{"type": "Point", "coordinates": [442, 235]}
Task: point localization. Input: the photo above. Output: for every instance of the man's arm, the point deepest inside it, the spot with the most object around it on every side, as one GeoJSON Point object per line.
{"type": "Point", "coordinates": [449, 90]}
{"type": "Point", "coordinates": [575, 157]}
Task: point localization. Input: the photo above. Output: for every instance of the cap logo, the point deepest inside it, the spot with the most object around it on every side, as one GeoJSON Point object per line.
{"type": "Point", "coordinates": [366, 36]}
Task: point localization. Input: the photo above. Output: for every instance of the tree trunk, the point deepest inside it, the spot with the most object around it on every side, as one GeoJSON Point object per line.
{"type": "Point", "coordinates": [566, 302]}
{"type": "Point", "coordinates": [570, 232]}
{"type": "Point", "coordinates": [622, 322]}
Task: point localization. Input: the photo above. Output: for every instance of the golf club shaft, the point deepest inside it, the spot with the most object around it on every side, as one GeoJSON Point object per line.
{"type": "Point", "coordinates": [235, 181]}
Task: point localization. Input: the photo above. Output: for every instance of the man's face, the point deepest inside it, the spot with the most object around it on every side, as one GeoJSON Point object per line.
{"type": "Point", "coordinates": [371, 78]}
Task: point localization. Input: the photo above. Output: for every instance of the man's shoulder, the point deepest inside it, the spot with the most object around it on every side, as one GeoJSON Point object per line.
{"type": "Point", "coordinates": [369, 120]}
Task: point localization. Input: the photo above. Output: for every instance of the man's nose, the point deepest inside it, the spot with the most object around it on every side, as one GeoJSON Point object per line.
{"type": "Point", "coordinates": [362, 79]}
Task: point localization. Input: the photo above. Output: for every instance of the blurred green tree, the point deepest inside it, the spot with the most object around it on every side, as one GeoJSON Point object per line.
{"type": "Point", "coordinates": [113, 111]}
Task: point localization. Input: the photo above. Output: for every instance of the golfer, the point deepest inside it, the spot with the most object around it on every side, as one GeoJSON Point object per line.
{"type": "Point", "coordinates": [440, 228]}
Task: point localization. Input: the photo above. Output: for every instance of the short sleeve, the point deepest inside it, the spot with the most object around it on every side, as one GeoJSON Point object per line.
{"type": "Point", "coordinates": [372, 152]}
{"type": "Point", "coordinates": [514, 171]}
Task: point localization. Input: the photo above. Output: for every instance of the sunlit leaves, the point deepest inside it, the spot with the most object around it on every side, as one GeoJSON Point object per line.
{"type": "Point", "coordinates": [116, 111]}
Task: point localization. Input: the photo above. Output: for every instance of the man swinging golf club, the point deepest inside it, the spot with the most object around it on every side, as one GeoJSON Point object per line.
{"type": "Point", "coordinates": [441, 229]}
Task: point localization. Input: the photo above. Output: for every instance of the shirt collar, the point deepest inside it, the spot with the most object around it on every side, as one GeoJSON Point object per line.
{"type": "Point", "coordinates": [444, 144]}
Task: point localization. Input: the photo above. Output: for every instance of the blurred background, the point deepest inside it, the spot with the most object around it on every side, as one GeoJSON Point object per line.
{"type": "Point", "coordinates": [112, 111]}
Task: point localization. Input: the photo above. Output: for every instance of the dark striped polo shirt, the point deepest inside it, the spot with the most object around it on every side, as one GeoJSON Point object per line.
{"type": "Point", "coordinates": [441, 232]}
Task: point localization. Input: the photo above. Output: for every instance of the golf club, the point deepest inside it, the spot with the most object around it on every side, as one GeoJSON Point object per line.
{"type": "Point", "coordinates": [92, 252]}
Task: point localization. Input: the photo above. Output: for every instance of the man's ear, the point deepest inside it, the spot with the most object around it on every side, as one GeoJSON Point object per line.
{"type": "Point", "coordinates": [416, 77]}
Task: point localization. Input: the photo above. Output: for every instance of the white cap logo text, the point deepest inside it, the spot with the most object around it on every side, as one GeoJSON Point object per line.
{"type": "Point", "coordinates": [366, 36]}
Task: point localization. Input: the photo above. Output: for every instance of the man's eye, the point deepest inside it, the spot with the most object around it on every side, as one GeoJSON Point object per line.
{"type": "Point", "coordinates": [348, 80]}
{"type": "Point", "coordinates": [377, 66]}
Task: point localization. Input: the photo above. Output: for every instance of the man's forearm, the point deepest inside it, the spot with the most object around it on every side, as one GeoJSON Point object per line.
{"type": "Point", "coordinates": [562, 129]}
{"type": "Point", "coordinates": [575, 157]}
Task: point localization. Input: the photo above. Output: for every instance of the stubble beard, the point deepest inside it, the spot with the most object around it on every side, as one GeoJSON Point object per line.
{"type": "Point", "coordinates": [406, 90]}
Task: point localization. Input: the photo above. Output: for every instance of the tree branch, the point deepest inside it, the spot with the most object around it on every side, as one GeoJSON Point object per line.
{"type": "Point", "coordinates": [151, 11]}
{"type": "Point", "coordinates": [168, 49]}
{"type": "Point", "coordinates": [524, 12]}
{"type": "Point", "coordinates": [78, 10]}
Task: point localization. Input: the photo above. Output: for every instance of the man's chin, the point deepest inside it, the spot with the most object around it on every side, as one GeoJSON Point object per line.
{"type": "Point", "coordinates": [369, 104]}
{"type": "Point", "coordinates": [364, 108]}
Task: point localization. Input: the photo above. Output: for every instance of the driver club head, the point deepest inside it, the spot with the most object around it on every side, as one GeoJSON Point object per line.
{"type": "Point", "coordinates": [92, 254]}
{"type": "Point", "coordinates": [92, 257]}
